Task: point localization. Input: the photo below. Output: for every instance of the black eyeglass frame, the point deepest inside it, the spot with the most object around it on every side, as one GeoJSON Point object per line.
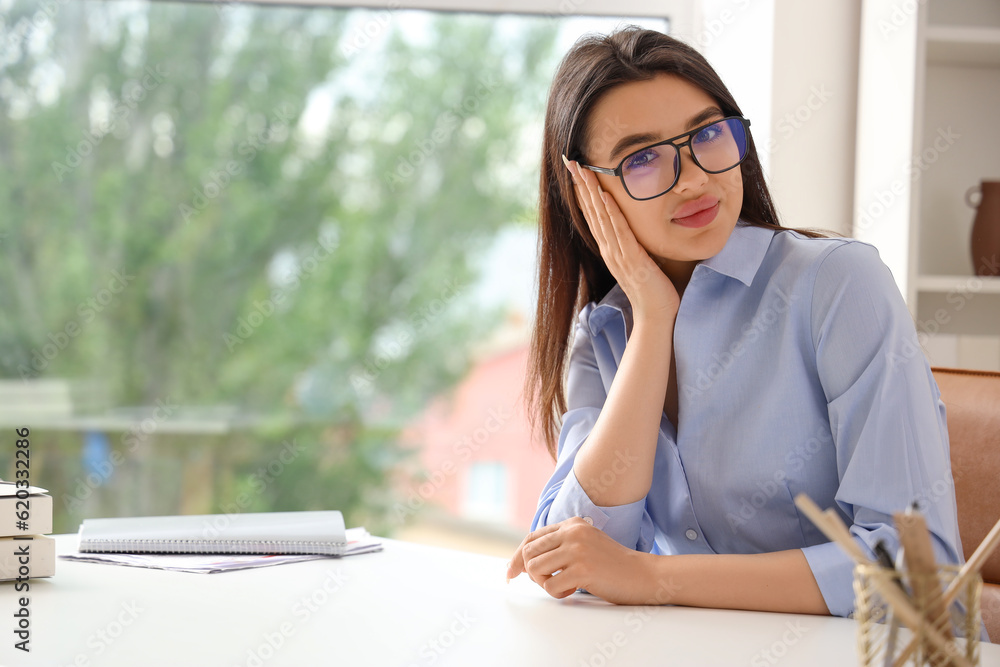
{"type": "Point", "coordinates": [619, 172]}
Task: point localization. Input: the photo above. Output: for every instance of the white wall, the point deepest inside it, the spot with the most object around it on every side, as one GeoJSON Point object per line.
{"type": "Point", "coordinates": [814, 102]}
{"type": "Point", "coordinates": [793, 68]}
{"type": "Point", "coordinates": [737, 38]}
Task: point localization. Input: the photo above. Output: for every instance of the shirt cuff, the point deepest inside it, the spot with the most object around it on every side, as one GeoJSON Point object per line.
{"type": "Point", "coordinates": [834, 573]}
{"type": "Point", "coordinates": [621, 523]}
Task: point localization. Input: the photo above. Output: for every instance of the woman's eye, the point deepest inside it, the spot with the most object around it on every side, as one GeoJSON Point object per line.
{"type": "Point", "coordinates": [708, 134]}
{"type": "Point", "coordinates": [643, 158]}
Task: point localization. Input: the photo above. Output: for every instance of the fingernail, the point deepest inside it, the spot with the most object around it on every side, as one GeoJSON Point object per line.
{"type": "Point", "coordinates": [566, 162]}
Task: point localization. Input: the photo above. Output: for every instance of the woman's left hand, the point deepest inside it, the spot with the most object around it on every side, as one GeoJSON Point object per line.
{"type": "Point", "coordinates": [572, 554]}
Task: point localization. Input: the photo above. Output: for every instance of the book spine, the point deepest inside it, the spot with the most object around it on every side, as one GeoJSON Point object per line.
{"type": "Point", "coordinates": [35, 552]}
{"type": "Point", "coordinates": [39, 520]}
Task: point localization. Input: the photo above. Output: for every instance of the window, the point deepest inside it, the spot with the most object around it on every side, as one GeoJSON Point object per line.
{"type": "Point", "coordinates": [244, 246]}
{"type": "Point", "coordinates": [486, 492]}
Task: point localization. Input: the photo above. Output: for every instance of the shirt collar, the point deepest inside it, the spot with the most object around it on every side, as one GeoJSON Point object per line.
{"type": "Point", "coordinates": [614, 303]}
{"type": "Point", "coordinates": [743, 253]}
{"type": "Point", "coordinates": [740, 259]}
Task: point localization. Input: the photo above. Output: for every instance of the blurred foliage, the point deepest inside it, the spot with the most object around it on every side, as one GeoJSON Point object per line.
{"type": "Point", "coordinates": [266, 208]}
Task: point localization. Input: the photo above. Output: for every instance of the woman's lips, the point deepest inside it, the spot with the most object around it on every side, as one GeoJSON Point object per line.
{"type": "Point", "coordinates": [698, 213]}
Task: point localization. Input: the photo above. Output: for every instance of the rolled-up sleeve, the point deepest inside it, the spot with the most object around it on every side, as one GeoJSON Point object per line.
{"type": "Point", "coordinates": [563, 497]}
{"type": "Point", "coordinates": [886, 417]}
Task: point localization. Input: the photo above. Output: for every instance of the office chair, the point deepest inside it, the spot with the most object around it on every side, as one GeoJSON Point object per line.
{"type": "Point", "coordinates": [972, 401]}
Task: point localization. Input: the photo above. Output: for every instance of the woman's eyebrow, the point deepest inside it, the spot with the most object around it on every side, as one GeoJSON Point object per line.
{"type": "Point", "coordinates": [641, 138]}
{"type": "Point", "coordinates": [645, 138]}
{"type": "Point", "coordinates": [703, 117]}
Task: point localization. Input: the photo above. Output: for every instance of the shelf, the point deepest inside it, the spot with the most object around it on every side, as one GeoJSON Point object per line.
{"type": "Point", "coordinates": [954, 45]}
{"type": "Point", "coordinates": [959, 284]}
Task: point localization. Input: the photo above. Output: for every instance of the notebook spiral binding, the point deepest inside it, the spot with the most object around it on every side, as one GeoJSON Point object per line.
{"type": "Point", "coordinates": [248, 547]}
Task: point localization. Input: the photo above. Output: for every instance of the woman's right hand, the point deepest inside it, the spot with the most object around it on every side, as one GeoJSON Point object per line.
{"type": "Point", "coordinates": [565, 556]}
{"type": "Point", "coordinates": [648, 289]}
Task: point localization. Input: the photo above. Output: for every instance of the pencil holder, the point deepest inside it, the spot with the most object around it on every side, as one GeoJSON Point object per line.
{"type": "Point", "coordinates": [884, 638]}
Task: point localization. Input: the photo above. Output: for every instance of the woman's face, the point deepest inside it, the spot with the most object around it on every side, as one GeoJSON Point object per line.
{"type": "Point", "coordinates": [693, 220]}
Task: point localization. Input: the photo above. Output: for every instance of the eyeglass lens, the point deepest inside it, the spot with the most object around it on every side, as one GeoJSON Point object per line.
{"type": "Point", "coordinates": [650, 172]}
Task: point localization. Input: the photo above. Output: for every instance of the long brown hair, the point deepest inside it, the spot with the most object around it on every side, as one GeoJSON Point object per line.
{"type": "Point", "coordinates": [571, 272]}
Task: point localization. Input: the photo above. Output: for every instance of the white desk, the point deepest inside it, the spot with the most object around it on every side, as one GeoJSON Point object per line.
{"type": "Point", "coordinates": [407, 605]}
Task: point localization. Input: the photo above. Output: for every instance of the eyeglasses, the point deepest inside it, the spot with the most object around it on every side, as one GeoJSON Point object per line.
{"type": "Point", "coordinates": [653, 171]}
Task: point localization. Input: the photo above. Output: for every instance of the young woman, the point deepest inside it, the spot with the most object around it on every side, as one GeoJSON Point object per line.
{"type": "Point", "coordinates": [720, 364]}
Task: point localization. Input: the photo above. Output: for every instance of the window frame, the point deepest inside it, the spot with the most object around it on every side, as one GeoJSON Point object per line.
{"type": "Point", "coordinates": [680, 13]}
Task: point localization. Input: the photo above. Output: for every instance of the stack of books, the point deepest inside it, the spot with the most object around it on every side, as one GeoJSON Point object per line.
{"type": "Point", "coordinates": [26, 550]}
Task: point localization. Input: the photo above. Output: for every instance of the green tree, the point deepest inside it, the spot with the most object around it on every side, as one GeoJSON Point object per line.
{"type": "Point", "coordinates": [226, 205]}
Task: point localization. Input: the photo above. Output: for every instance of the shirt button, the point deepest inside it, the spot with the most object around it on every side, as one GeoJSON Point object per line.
{"type": "Point", "coordinates": [691, 534]}
{"type": "Point", "coordinates": [588, 520]}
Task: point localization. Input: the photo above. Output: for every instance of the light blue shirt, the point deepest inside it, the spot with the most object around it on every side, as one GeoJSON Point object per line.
{"type": "Point", "coordinates": [798, 370]}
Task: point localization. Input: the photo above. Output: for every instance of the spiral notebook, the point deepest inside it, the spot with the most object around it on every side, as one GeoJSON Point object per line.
{"type": "Point", "coordinates": [319, 533]}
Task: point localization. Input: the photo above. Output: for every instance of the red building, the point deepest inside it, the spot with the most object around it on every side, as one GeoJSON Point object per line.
{"type": "Point", "coordinates": [481, 465]}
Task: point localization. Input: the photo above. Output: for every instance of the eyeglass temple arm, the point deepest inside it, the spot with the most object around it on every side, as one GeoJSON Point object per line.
{"type": "Point", "coordinates": [600, 170]}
